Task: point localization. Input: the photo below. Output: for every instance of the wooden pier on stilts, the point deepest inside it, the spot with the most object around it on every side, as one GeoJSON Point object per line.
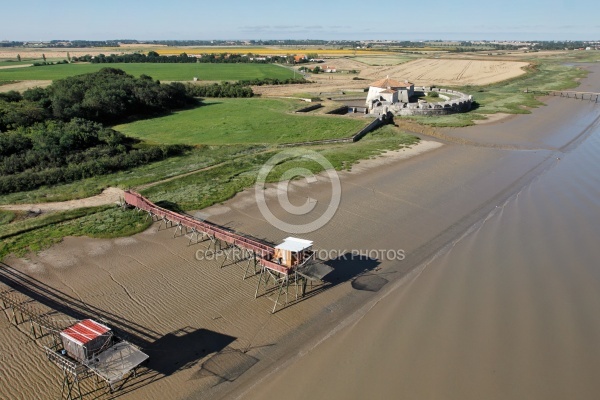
{"type": "Point", "coordinates": [571, 94]}
{"type": "Point", "coordinates": [281, 268]}
{"type": "Point", "coordinates": [283, 271]}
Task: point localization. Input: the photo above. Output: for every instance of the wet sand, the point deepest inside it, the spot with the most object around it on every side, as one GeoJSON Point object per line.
{"type": "Point", "coordinates": [207, 335]}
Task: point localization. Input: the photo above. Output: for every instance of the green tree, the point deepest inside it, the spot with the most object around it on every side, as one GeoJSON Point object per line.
{"type": "Point", "coordinates": [21, 113]}
{"type": "Point", "coordinates": [18, 57]}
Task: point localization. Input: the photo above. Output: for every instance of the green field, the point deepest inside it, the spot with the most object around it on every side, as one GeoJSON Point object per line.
{"type": "Point", "coordinates": [12, 63]}
{"type": "Point", "coordinates": [237, 121]}
{"type": "Point", "coordinates": [163, 72]}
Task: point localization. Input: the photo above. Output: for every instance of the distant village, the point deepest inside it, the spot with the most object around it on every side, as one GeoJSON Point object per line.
{"type": "Point", "coordinates": [356, 44]}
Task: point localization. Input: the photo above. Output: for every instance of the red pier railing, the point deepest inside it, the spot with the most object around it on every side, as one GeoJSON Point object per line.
{"type": "Point", "coordinates": [262, 251]}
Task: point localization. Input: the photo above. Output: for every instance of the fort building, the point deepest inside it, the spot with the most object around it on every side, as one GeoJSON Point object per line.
{"type": "Point", "coordinates": [389, 91]}
{"type": "Point", "coordinates": [402, 98]}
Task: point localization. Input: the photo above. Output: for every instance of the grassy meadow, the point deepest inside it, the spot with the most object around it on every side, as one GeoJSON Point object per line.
{"type": "Point", "coordinates": [223, 181]}
{"type": "Point", "coordinates": [163, 72]}
{"type": "Point", "coordinates": [241, 121]}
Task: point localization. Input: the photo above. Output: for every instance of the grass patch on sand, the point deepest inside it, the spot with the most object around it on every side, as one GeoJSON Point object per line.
{"type": "Point", "coordinates": [167, 72]}
{"type": "Point", "coordinates": [6, 217]}
{"type": "Point", "coordinates": [38, 233]}
{"type": "Point", "coordinates": [242, 121]}
{"type": "Point", "coordinates": [510, 96]}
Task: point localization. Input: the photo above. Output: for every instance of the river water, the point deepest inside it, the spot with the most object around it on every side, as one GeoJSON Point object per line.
{"type": "Point", "coordinates": [510, 311]}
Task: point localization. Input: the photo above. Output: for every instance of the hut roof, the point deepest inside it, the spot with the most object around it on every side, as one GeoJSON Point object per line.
{"type": "Point", "coordinates": [390, 83]}
{"type": "Point", "coordinates": [84, 331]}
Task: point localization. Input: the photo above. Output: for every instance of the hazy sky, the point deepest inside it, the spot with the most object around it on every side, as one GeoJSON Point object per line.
{"type": "Point", "coordinates": [306, 19]}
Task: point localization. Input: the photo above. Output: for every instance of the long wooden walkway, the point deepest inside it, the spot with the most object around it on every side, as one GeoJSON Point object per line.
{"type": "Point", "coordinates": [571, 94]}
{"type": "Point", "coordinates": [257, 252]}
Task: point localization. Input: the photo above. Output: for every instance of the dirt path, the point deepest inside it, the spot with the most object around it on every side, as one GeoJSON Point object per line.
{"type": "Point", "coordinates": [108, 196]}
{"type": "Point", "coordinates": [16, 66]}
{"type": "Point", "coordinates": [23, 85]}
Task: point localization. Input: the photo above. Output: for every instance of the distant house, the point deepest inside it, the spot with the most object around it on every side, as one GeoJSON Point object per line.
{"type": "Point", "coordinates": [300, 58]}
{"type": "Point", "coordinates": [329, 68]}
{"type": "Point", "coordinates": [389, 91]}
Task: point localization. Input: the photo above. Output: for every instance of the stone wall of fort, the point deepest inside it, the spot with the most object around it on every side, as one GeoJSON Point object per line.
{"type": "Point", "coordinates": [450, 102]}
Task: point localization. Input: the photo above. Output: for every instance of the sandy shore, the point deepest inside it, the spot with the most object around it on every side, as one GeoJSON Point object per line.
{"type": "Point", "coordinates": [206, 334]}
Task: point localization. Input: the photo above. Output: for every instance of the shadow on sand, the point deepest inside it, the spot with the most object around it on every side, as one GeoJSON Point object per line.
{"type": "Point", "coordinates": [347, 267]}
{"type": "Point", "coordinates": [175, 351]}
{"type": "Point", "coordinates": [208, 351]}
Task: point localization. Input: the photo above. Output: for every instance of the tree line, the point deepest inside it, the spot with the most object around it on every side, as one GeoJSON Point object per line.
{"type": "Point", "coordinates": [273, 81]}
{"type": "Point", "coordinates": [224, 89]}
{"type": "Point", "coordinates": [183, 58]}
{"type": "Point", "coordinates": [55, 152]}
{"type": "Point", "coordinates": [237, 89]}
{"type": "Point", "coordinates": [57, 134]}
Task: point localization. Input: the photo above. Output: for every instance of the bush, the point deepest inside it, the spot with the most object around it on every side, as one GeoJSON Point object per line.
{"type": "Point", "coordinates": [56, 152]}
{"type": "Point", "coordinates": [111, 95]}
{"type": "Point", "coordinates": [219, 90]}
